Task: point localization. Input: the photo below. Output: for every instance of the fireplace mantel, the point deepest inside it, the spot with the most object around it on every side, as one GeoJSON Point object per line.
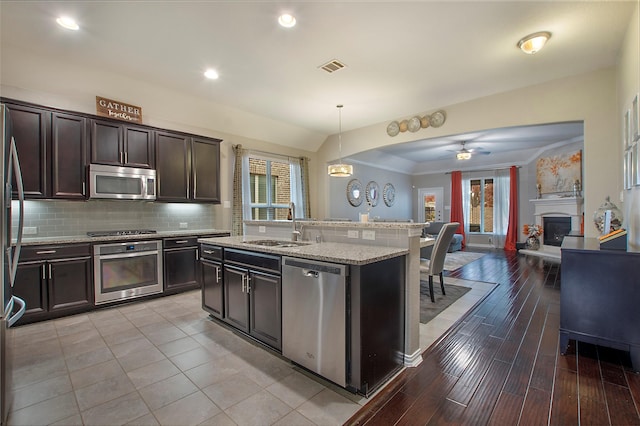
{"type": "Point", "coordinates": [558, 206]}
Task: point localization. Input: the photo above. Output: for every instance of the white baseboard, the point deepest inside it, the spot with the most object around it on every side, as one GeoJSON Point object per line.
{"type": "Point", "coordinates": [480, 245]}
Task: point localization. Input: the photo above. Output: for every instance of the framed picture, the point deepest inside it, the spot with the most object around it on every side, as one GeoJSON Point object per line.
{"type": "Point", "coordinates": [626, 170]}
{"type": "Point", "coordinates": [626, 130]}
{"type": "Point", "coordinates": [635, 120]}
{"type": "Point", "coordinates": [636, 164]}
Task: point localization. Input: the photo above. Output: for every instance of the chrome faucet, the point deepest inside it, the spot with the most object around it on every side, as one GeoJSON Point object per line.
{"type": "Point", "coordinates": [294, 233]}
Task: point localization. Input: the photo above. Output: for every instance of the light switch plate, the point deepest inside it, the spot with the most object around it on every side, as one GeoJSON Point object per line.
{"type": "Point", "coordinates": [262, 229]}
{"type": "Point", "coordinates": [368, 235]}
{"type": "Point", "coordinates": [352, 234]}
{"type": "Point", "coordinates": [226, 204]}
{"type": "Point", "coordinates": [184, 225]}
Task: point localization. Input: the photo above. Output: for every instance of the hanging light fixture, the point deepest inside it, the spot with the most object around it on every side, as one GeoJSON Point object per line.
{"type": "Point", "coordinates": [340, 169]}
{"type": "Point", "coordinates": [534, 42]}
{"type": "Point", "coordinates": [464, 153]}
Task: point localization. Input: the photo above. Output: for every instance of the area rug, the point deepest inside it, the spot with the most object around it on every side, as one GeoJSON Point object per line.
{"type": "Point", "coordinates": [457, 259]}
{"type": "Point", "coordinates": [429, 309]}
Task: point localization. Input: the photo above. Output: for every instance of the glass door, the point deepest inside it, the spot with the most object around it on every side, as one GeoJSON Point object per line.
{"type": "Point", "coordinates": [430, 204]}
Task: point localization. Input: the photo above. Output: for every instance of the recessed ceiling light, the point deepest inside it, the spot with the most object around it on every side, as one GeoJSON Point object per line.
{"type": "Point", "coordinates": [68, 23]}
{"type": "Point", "coordinates": [211, 74]}
{"type": "Point", "coordinates": [287, 20]}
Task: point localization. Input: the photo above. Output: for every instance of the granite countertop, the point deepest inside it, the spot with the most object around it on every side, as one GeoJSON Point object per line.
{"type": "Point", "coordinates": [351, 254]}
{"type": "Point", "coordinates": [86, 239]}
{"type": "Point", "coordinates": [340, 224]}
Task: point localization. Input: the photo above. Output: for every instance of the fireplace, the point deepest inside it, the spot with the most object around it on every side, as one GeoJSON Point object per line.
{"type": "Point", "coordinates": [554, 229]}
{"type": "Point", "coordinates": [556, 210]}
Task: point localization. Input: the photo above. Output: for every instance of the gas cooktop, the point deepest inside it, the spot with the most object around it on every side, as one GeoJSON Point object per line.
{"type": "Point", "coordinates": [121, 232]}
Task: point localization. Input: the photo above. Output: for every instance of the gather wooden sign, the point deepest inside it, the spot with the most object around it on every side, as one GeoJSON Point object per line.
{"type": "Point", "coordinates": [118, 110]}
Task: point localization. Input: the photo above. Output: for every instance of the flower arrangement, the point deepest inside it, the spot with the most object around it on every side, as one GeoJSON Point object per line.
{"type": "Point", "coordinates": [532, 230]}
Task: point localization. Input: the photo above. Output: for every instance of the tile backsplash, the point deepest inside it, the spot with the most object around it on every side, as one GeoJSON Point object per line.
{"type": "Point", "coordinates": [72, 218]}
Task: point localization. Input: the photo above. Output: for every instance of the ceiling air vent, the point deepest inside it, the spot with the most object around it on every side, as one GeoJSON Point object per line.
{"type": "Point", "coordinates": [332, 66]}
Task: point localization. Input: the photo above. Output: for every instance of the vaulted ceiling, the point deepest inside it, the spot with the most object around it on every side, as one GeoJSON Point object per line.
{"type": "Point", "coordinates": [402, 57]}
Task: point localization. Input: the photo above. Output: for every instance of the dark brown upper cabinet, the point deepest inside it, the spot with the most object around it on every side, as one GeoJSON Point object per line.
{"type": "Point", "coordinates": [205, 168]}
{"type": "Point", "coordinates": [187, 167]}
{"type": "Point", "coordinates": [52, 150]}
{"type": "Point", "coordinates": [121, 144]}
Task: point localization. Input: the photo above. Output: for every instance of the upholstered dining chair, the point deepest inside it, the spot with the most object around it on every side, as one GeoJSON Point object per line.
{"type": "Point", "coordinates": [436, 262]}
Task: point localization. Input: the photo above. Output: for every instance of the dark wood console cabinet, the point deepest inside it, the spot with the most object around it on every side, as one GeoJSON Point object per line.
{"type": "Point", "coordinates": [600, 297]}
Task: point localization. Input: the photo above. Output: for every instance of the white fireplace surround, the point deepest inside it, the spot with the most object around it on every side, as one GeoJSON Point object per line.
{"type": "Point", "coordinates": [558, 207]}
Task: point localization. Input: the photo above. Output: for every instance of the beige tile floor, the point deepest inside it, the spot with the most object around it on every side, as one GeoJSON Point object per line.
{"type": "Point", "coordinates": [164, 361]}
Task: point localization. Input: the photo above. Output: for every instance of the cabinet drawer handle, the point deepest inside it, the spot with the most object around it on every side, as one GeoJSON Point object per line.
{"type": "Point", "coordinates": [44, 276]}
{"type": "Point", "coordinates": [46, 252]}
{"type": "Point", "coordinates": [208, 251]}
{"type": "Point", "coordinates": [182, 241]}
{"type": "Point", "coordinates": [49, 271]}
{"type": "Point", "coordinates": [217, 274]}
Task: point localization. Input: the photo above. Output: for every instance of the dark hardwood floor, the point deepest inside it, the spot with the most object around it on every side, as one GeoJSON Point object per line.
{"type": "Point", "coordinates": [501, 363]}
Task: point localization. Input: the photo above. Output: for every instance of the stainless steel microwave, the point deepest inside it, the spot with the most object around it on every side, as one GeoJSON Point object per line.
{"type": "Point", "coordinates": [121, 183]}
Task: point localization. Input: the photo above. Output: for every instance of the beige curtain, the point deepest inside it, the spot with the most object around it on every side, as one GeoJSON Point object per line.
{"type": "Point", "coordinates": [236, 215]}
{"type": "Point", "coordinates": [304, 174]}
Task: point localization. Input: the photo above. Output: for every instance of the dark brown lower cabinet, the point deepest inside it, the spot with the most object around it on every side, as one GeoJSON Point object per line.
{"type": "Point", "coordinates": [180, 264]}
{"type": "Point", "coordinates": [54, 287]}
{"type": "Point", "coordinates": [252, 295]}
{"type": "Point", "coordinates": [212, 287]}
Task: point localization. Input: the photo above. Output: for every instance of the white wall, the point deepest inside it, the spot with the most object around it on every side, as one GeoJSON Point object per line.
{"type": "Point", "coordinates": [629, 86]}
{"type": "Point", "coordinates": [590, 98]}
{"type": "Point", "coordinates": [401, 209]}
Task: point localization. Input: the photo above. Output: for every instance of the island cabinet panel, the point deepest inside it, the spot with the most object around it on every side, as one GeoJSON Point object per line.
{"type": "Point", "coordinates": [205, 160]}
{"type": "Point", "coordinates": [376, 323]}
{"type": "Point", "coordinates": [54, 281]}
{"type": "Point", "coordinates": [31, 130]}
{"type": "Point", "coordinates": [253, 295]}
{"type": "Point", "coordinates": [211, 280]}
{"type": "Point", "coordinates": [121, 144]}
{"type": "Point", "coordinates": [599, 297]}
{"type": "Point", "coordinates": [173, 165]}
{"type": "Point", "coordinates": [69, 135]}
{"type": "Point", "coordinates": [236, 302]}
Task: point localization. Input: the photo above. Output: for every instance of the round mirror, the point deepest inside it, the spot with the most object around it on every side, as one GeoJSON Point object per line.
{"type": "Point", "coordinates": [372, 192]}
{"type": "Point", "coordinates": [354, 192]}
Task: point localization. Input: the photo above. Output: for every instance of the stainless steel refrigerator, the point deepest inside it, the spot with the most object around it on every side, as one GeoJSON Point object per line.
{"type": "Point", "coordinates": [12, 307]}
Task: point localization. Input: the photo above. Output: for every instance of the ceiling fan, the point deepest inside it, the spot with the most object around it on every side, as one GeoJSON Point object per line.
{"type": "Point", "coordinates": [465, 154]}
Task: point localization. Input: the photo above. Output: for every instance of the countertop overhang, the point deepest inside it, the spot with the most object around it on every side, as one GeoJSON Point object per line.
{"type": "Point", "coordinates": [350, 254]}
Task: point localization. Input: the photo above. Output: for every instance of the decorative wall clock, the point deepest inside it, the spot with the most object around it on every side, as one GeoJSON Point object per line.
{"type": "Point", "coordinates": [354, 192]}
{"type": "Point", "coordinates": [389, 194]}
{"type": "Point", "coordinates": [372, 192]}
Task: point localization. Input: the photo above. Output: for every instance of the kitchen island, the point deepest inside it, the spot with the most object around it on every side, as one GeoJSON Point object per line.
{"type": "Point", "coordinates": [335, 309]}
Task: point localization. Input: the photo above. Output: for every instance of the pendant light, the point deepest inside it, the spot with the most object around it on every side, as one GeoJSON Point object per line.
{"type": "Point", "coordinates": [340, 169]}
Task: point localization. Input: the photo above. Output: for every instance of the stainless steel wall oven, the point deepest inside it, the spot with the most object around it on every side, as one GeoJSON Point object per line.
{"type": "Point", "coordinates": [127, 270]}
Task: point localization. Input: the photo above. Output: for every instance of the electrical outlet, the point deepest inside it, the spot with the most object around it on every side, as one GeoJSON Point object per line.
{"type": "Point", "coordinates": [30, 230]}
{"type": "Point", "coordinates": [368, 235]}
{"type": "Point", "coordinates": [262, 229]}
{"type": "Point", "coordinates": [352, 234]}
{"type": "Point", "coordinates": [184, 225]}
{"type": "Point", "coordinates": [490, 241]}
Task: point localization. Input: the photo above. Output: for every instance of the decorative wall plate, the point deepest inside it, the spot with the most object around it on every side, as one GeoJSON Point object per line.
{"type": "Point", "coordinates": [354, 192]}
{"type": "Point", "coordinates": [389, 194]}
{"type": "Point", "coordinates": [393, 128]}
{"type": "Point", "coordinates": [437, 119]}
{"type": "Point", "coordinates": [414, 124]}
{"type": "Point", "coordinates": [372, 192]}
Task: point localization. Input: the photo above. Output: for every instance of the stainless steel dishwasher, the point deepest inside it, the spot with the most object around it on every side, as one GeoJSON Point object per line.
{"type": "Point", "coordinates": [314, 316]}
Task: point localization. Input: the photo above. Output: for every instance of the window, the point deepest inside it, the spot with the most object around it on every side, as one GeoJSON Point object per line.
{"type": "Point", "coordinates": [270, 188]}
{"type": "Point", "coordinates": [481, 205]}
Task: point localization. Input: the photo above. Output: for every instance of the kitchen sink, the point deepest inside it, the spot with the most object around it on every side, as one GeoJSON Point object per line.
{"type": "Point", "coordinates": [277, 243]}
